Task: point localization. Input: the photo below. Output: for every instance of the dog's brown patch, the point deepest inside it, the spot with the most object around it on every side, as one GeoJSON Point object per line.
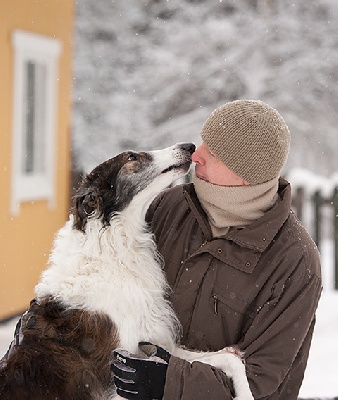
{"type": "Point", "coordinates": [64, 354]}
{"type": "Point", "coordinates": [135, 162]}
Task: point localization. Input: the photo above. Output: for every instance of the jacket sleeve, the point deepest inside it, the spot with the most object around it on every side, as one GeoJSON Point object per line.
{"type": "Point", "coordinates": [276, 347]}
{"type": "Point", "coordinates": [196, 381]}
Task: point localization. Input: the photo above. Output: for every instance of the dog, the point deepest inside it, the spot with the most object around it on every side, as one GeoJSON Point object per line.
{"type": "Point", "coordinates": [104, 289]}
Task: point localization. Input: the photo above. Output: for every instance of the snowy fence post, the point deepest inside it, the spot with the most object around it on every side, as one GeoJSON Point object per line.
{"type": "Point", "coordinates": [318, 202]}
{"type": "Point", "coordinates": [335, 222]}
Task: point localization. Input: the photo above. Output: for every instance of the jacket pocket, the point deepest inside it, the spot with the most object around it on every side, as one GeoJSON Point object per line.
{"type": "Point", "coordinates": [232, 300]}
{"type": "Point", "coordinates": [232, 312]}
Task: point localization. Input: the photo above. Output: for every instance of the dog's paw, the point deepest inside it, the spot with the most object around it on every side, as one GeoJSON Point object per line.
{"type": "Point", "coordinates": [234, 350]}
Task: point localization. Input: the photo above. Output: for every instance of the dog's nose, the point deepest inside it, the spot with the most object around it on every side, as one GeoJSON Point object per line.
{"type": "Point", "coordinates": [189, 147]}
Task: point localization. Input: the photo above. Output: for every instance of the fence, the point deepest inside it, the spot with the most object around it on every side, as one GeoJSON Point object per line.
{"type": "Point", "coordinates": [318, 203]}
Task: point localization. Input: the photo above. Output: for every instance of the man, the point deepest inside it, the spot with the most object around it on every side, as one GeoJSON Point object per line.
{"type": "Point", "coordinates": [242, 268]}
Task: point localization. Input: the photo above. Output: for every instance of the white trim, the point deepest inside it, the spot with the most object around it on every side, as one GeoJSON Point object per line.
{"type": "Point", "coordinates": [29, 47]}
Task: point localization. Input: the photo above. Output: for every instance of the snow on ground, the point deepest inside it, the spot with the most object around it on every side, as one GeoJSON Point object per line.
{"type": "Point", "coordinates": [6, 335]}
{"type": "Point", "coordinates": [321, 375]}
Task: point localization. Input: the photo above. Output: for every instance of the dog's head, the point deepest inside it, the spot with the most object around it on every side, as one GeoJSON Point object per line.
{"type": "Point", "coordinates": [115, 183]}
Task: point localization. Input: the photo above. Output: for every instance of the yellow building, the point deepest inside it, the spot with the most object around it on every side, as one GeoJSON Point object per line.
{"type": "Point", "coordinates": [35, 106]}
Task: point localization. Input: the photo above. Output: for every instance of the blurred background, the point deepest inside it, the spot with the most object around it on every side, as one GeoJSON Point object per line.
{"type": "Point", "coordinates": [83, 80]}
{"type": "Point", "coordinates": [147, 73]}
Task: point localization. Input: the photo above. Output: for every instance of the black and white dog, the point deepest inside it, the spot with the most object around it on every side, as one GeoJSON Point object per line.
{"type": "Point", "coordinates": [104, 289]}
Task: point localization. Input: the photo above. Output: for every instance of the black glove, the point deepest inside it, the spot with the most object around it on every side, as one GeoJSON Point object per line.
{"type": "Point", "coordinates": [141, 378]}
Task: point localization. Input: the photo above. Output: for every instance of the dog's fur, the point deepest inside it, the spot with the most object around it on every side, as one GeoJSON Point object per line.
{"type": "Point", "coordinates": [104, 289]}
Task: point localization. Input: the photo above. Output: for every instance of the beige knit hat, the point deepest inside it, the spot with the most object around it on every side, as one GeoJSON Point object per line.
{"type": "Point", "coordinates": [250, 137]}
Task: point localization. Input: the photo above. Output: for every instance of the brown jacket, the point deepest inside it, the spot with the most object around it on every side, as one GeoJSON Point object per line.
{"type": "Point", "coordinates": [257, 287]}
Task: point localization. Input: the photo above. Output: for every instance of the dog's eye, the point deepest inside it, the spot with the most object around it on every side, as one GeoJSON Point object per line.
{"type": "Point", "coordinates": [132, 157]}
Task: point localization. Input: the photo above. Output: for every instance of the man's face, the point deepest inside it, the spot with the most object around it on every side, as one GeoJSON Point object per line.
{"type": "Point", "coordinates": [211, 169]}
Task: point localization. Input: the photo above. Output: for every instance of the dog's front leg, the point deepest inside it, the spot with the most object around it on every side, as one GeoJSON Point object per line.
{"type": "Point", "coordinates": [229, 360]}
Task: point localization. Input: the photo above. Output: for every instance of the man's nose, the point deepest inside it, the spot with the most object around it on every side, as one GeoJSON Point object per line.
{"type": "Point", "coordinates": [196, 158]}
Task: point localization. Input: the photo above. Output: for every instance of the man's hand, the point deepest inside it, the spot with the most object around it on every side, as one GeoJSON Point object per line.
{"type": "Point", "coordinates": [141, 378]}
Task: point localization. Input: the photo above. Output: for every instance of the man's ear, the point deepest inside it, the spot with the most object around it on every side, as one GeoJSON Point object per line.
{"type": "Point", "coordinates": [86, 203]}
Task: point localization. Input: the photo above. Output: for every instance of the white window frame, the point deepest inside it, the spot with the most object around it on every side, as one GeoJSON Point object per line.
{"type": "Point", "coordinates": [43, 52]}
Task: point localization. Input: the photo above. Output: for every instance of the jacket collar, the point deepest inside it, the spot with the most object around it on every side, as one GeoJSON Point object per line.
{"type": "Point", "coordinates": [256, 236]}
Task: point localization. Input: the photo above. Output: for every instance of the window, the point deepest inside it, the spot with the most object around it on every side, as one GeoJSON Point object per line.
{"type": "Point", "coordinates": [34, 118]}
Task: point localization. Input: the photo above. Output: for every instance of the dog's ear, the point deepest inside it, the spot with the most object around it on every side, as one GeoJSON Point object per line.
{"type": "Point", "coordinates": [86, 203]}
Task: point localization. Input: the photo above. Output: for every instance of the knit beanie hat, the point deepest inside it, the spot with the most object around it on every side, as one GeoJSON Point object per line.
{"type": "Point", "coordinates": [250, 138]}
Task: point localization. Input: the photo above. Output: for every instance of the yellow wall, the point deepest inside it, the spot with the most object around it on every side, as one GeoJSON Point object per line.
{"type": "Point", "coordinates": [26, 239]}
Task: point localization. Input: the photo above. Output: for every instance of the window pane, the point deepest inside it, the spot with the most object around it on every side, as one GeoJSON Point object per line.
{"type": "Point", "coordinates": [29, 103]}
{"type": "Point", "coordinates": [34, 119]}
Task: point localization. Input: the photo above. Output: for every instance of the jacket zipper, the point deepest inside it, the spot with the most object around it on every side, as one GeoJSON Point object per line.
{"type": "Point", "coordinates": [214, 296]}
